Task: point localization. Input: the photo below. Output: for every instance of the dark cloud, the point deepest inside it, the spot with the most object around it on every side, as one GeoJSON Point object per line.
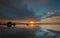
{"type": "Point", "coordinates": [18, 9]}
{"type": "Point", "coordinates": [14, 9]}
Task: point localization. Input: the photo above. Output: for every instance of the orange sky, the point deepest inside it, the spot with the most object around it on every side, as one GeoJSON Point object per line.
{"type": "Point", "coordinates": [55, 19]}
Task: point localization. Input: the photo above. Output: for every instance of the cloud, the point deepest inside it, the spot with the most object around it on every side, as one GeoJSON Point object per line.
{"type": "Point", "coordinates": [55, 19]}
{"type": "Point", "coordinates": [17, 9]}
{"type": "Point", "coordinates": [57, 11]}
{"type": "Point", "coordinates": [50, 13]}
{"type": "Point", "coordinates": [14, 9]}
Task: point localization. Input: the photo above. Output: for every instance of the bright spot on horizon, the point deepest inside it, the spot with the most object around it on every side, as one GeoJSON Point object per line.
{"type": "Point", "coordinates": [32, 24]}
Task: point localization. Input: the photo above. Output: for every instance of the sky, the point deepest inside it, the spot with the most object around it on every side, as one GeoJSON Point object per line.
{"type": "Point", "coordinates": [29, 9]}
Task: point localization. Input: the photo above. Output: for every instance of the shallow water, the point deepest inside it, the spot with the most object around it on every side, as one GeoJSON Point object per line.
{"type": "Point", "coordinates": [22, 31]}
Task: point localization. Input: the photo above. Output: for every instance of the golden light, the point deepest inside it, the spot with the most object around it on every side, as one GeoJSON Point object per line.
{"type": "Point", "coordinates": [31, 24]}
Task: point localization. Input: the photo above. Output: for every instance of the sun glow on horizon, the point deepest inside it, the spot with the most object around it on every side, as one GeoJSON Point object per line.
{"type": "Point", "coordinates": [32, 24]}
